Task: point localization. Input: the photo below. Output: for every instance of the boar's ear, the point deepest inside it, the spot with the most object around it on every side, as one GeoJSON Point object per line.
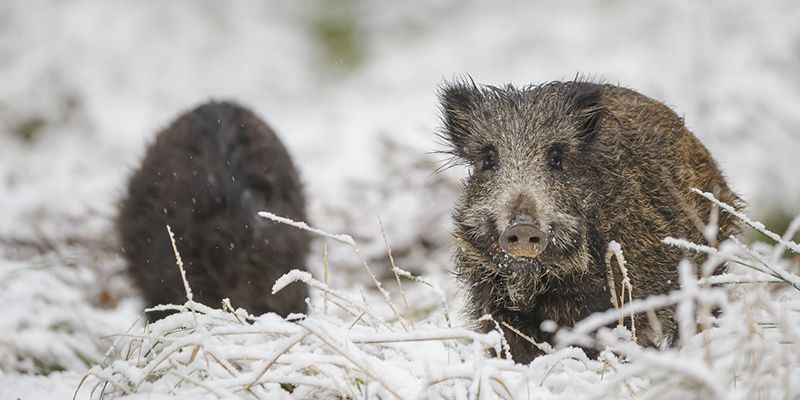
{"type": "Point", "coordinates": [586, 104]}
{"type": "Point", "coordinates": [458, 102]}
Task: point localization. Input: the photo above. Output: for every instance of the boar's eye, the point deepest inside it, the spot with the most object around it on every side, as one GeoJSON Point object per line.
{"type": "Point", "coordinates": [489, 158]}
{"type": "Point", "coordinates": [555, 159]}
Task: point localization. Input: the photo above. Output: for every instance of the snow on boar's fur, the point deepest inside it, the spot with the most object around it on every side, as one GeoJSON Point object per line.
{"type": "Point", "coordinates": [557, 171]}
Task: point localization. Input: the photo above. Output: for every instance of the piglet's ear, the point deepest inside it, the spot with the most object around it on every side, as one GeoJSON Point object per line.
{"type": "Point", "coordinates": [586, 105]}
{"type": "Point", "coordinates": [459, 101]}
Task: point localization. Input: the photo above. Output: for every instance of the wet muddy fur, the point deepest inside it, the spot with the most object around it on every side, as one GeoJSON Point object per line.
{"type": "Point", "coordinates": [557, 171]}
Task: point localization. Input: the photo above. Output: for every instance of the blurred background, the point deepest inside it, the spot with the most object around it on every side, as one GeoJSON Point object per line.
{"type": "Point", "coordinates": [350, 87]}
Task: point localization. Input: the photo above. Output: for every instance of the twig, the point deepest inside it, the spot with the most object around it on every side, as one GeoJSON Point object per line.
{"type": "Point", "coordinates": [503, 341]}
{"type": "Point", "coordinates": [690, 212]}
{"type": "Point", "coordinates": [794, 226]}
{"type": "Point", "coordinates": [219, 392]}
{"type": "Point", "coordinates": [615, 249]}
{"type": "Point", "coordinates": [325, 267]}
{"type": "Point", "coordinates": [305, 277]}
{"type": "Point", "coordinates": [753, 224]}
{"type": "Point", "coordinates": [436, 289]}
{"type": "Point", "coordinates": [349, 356]}
{"type": "Point", "coordinates": [541, 346]}
{"type": "Point", "coordinates": [342, 238]}
{"type": "Point", "coordinates": [394, 271]}
{"type": "Point", "coordinates": [282, 348]}
{"type": "Point", "coordinates": [189, 295]}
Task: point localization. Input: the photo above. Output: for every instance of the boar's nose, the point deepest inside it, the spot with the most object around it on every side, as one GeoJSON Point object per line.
{"type": "Point", "coordinates": [523, 239]}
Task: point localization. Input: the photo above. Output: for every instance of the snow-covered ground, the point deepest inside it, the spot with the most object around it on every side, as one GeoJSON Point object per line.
{"type": "Point", "coordinates": [350, 88]}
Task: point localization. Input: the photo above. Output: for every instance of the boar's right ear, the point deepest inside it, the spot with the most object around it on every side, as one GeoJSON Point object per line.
{"type": "Point", "coordinates": [459, 100]}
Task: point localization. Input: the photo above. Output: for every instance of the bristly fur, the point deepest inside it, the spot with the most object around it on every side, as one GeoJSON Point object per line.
{"type": "Point", "coordinates": [587, 107]}
{"type": "Point", "coordinates": [611, 185]}
{"type": "Point", "coordinates": [207, 175]}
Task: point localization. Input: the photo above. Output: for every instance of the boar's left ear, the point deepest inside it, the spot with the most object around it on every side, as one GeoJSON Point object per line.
{"type": "Point", "coordinates": [586, 104]}
{"type": "Point", "coordinates": [458, 101]}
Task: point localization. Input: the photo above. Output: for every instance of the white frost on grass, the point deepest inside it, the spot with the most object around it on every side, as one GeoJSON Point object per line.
{"type": "Point", "coordinates": [346, 239]}
{"type": "Point", "coordinates": [57, 316]}
{"type": "Point", "coordinates": [294, 275]}
{"type": "Point", "coordinates": [750, 348]}
{"type": "Point", "coordinates": [82, 97]}
{"type": "Point", "coordinates": [753, 224]}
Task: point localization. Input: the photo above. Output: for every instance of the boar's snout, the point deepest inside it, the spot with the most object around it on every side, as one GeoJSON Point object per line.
{"type": "Point", "coordinates": [523, 238]}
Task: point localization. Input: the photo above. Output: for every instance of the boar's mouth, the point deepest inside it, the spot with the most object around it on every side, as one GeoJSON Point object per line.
{"type": "Point", "coordinates": [564, 244]}
{"type": "Point", "coordinates": [514, 282]}
{"type": "Point", "coordinates": [524, 278]}
{"type": "Point", "coordinates": [566, 254]}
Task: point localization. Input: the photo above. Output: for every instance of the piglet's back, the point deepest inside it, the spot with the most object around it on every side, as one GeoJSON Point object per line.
{"type": "Point", "coordinates": [207, 175]}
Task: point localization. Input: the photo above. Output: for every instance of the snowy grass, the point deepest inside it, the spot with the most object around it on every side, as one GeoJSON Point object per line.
{"type": "Point", "coordinates": [740, 339]}
{"type": "Point", "coordinates": [59, 302]}
{"type": "Point", "coordinates": [82, 97]}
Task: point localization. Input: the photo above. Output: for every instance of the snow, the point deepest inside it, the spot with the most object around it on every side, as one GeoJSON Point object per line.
{"type": "Point", "coordinates": [346, 239]}
{"type": "Point", "coordinates": [753, 224]}
{"type": "Point", "coordinates": [86, 84]}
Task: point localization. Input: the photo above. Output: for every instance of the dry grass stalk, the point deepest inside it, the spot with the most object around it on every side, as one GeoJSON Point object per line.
{"type": "Point", "coordinates": [615, 250]}
{"type": "Point", "coordinates": [321, 356]}
{"type": "Point", "coordinates": [394, 271]}
{"type": "Point", "coordinates": [360, 364]}
{"type": "Point", "coordinates": [541, 346]}
{"type": "Point", "coordinates": [325, 269]}
{"type": "Point", "coordinates": [348, 240]}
